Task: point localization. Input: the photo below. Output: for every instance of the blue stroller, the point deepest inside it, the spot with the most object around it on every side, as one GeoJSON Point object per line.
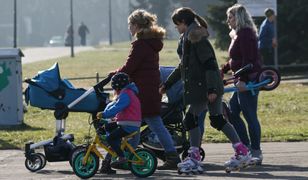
{"type": "Point", "coordinates": [48, 91]}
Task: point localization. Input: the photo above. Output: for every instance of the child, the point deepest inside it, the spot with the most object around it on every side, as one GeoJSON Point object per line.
{"type": "Point", "coordinates": [126, 111]}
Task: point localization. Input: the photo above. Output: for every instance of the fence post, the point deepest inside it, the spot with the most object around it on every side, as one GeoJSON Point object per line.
{"type": "Point", "coordinates": [97, 77]}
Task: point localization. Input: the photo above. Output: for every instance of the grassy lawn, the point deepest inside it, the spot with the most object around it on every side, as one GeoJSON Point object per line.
{"type": "Point", "coordinates": [282, 112]}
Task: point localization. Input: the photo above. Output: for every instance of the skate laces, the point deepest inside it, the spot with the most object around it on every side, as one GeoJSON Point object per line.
{"type": "Point", "coordinates": [240, 149]}
{"type": "Point", "coordinates": [194, 153]}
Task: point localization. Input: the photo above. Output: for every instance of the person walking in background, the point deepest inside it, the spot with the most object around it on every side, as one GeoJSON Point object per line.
{"type": "Point", "coordinates": [68, 35]}
{"type": "Point", "coordinates": [82, 32]}
{"type": "Point", "coordinates": [243, 50]}
{"type": "Point", "coordinates": [203, 87]}
{"type": "Point", "coordinates": [142, 66]}
{"type": "Point", "coordinates": [267, 40]}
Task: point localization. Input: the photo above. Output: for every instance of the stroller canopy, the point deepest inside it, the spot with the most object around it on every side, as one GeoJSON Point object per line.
{"type": "Point", "coordinates": [176, 91]}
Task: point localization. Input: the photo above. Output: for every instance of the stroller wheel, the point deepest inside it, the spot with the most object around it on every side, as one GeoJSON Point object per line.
{"type": "Point", "coordinates": [34, 162]}
{"type": "Point", "coordinates": [202, 153]}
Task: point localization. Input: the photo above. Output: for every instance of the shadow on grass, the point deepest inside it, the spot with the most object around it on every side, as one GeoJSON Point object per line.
{"type": "Point", "coordinates": [21, 127]}
{"type": "Point", "coordinates": [6, 145]}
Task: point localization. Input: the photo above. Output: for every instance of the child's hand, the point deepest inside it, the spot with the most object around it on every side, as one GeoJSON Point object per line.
{"type": "Point", "coordinates": [99, 115]}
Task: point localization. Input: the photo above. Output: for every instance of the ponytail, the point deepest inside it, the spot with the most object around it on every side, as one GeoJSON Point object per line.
{"type": "Point", "coordinates": [201, 21]}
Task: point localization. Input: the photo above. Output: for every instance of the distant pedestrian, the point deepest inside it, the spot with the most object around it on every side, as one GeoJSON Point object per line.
{"type": "Point", "coordinates": [68, 35]}
{"type": "Point", "coordinates": [82, 32]}
{"type": "Point", "coordinates": [267, 40]}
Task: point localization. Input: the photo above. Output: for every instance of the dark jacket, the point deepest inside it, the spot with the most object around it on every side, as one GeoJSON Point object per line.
{"type": "Point", "coordinates": [142, 66]}
{"type": "Point", "coordinates": [242, 51]}
{"type": "Point", "coordinates": [198, 68]}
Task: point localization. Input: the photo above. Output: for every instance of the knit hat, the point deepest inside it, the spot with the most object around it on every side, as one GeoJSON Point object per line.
{"type": "Point", "coordinates": [119, 81]}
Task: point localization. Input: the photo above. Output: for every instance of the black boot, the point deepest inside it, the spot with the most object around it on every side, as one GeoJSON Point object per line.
{"type": "Point", "coordinates": [172, 160]}
{"type": "Point", "coordinates": [106, 168]}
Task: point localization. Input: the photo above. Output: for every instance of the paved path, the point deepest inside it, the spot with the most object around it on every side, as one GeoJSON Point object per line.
{"type": "Point", "coordinates": [45, 53]}
{"type": "Point", "coordinates": [281, 161]}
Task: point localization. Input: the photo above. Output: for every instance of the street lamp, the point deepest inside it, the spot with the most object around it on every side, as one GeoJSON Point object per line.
{"type": "Point", "coordinates": [110, 24]}
{"type": "Point", "coordinates": [72, 31]}
{"type": "Point", "coordinates": [15, 24]}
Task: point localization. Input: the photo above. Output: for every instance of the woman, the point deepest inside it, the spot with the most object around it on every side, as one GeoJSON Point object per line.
{"type": "Point", "coordinates": [203, 86]}
{"type": "Point", "coordinates": [142, 66]}
{"type": "Point", "coordinates": [243, 50]}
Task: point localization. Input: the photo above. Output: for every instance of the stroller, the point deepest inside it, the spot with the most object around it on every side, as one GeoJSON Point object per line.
{"type": "Point", "coordinates": [48, 91]}
{"type": "Point", "coordinates": [172, 114]}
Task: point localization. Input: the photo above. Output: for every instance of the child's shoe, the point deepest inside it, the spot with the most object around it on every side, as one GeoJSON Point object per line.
{"type": "Point", "coordinates": [106, 168]}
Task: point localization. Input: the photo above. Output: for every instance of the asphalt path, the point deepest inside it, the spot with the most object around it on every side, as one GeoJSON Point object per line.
{"type": "Point", "coordinates": [281, 161]}
{"type": "Point", "coordinates": [35, 54]}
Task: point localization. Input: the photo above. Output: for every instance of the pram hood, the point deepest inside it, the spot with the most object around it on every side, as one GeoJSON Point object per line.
{"type": "Point", "coordinates": [50, 79]}
{"type": "Point", "coordinates": [48, 91]}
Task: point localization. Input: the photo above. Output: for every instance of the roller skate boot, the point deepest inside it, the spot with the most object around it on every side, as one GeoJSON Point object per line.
{"type": "Point", "coordinates": [192, 163]}
{"type": "Point", "coordinates": [256, 157]}
{"type": "Point", "coordinates": [241, 159]}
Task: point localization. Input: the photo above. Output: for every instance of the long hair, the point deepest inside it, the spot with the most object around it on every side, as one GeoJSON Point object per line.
{"type": "Point", "coordinates": [242, 17]}
{"type": "Point", "coordinates": [187, 16]}
{"type": "Point", "coordinates": [145, 21]}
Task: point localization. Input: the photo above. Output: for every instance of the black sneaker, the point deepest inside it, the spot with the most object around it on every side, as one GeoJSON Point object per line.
{"type": "Point", "coordinates": [106, 168]}
{"type": "Point", "coordinates": [172, 160]}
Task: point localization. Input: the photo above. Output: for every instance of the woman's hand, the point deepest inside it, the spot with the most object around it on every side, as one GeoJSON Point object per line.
{"type": "Point", "coordinates": [162, 89]}
{"type": "Point", "coordinates": [241, 85]}
{"type": "Point", "coordinates": [212, 97]}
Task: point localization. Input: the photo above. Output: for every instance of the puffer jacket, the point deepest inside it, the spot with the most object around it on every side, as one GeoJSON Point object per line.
{"type": "Point", "coordinates": [142, 66]}
{"type": "Point", "coordinates": [198, 68]}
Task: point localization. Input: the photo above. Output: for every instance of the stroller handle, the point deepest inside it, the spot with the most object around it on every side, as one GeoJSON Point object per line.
{"type": "Point", "coordinates": [99, 87]}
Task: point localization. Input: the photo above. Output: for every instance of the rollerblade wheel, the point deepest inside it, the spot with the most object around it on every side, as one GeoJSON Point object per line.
{"type": "Point", "coordinates": [180, 172]}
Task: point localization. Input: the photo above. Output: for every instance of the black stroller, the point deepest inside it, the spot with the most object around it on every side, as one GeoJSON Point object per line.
{"type": "Point", "coordinates": [172, 113]}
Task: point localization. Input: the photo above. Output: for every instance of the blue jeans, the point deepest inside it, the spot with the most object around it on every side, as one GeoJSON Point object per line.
{"type": "Point", "coordinates": [156, 125]}
{"type": "Point", "coordinates": [246, 103]}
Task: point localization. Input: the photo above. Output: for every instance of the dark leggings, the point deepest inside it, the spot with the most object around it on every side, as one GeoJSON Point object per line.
{"type": "Point", "coordinates": [115, 136]}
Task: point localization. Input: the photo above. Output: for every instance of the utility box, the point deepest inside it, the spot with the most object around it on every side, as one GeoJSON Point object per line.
{"type": "Point", "coordinates": [11, 99]}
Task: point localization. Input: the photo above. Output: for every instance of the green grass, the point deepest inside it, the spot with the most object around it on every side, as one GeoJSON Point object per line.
{"type": "Point", "coordinates": [282, 112]}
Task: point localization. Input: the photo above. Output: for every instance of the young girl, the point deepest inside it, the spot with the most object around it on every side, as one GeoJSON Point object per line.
{"type": "Point", "coordinates": [127, 112]}
{"type": "Point", "coordinates": [203, 87]}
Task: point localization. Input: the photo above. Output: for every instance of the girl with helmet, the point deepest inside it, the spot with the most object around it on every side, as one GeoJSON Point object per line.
{"type": "Point", "coordinates": [126, 112]}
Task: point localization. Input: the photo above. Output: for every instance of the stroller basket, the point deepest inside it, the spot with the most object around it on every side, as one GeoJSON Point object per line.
{"type": "Point", "coordinates": [48, 91]}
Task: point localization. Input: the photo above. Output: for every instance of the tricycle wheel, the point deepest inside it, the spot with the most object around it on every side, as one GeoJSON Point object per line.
{"type": "Point", "coordinates": [34, 162]}
{"type": "Point", "coordinates": [149, 163]}
{"type": "Point", "coordinates": [272, 74]}
{"type": "Point", "coordinates": [88, 169]}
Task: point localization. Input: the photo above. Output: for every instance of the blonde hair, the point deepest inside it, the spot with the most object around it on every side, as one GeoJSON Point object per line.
{"type": "Point", "coordinates": [145, 21]}
{"type": "Point", "coordinates": [242, 18]}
